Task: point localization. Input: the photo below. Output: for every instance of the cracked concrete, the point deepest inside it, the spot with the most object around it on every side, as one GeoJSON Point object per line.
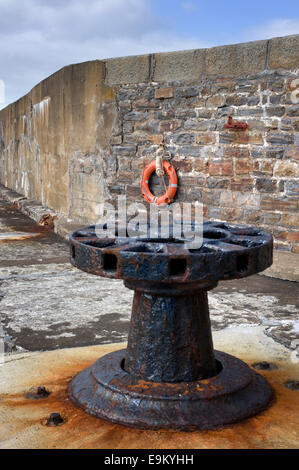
{"type": "Point", "coordinates": [47, 304]}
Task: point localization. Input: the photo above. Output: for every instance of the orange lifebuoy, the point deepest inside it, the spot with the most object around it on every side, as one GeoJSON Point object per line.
{"type": "Point", "coordinates": [172, 186]}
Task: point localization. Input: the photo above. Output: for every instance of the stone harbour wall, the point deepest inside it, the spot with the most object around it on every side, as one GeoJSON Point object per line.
{"type": "Point", "coordinates": [85, 134]}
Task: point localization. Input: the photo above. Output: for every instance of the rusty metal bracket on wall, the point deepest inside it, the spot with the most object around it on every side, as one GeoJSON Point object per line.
{"type": "Point", "coordinates": [235, 124]}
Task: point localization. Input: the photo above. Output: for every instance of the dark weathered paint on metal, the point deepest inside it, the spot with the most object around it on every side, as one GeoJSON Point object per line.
{"type": "Point", "coordinates": [169, 376]}
{"type": "Point", "coordinates": [227, 252]}
{"type": "Point", "coordinates": [170, 337]}
{"type": "Point", "coordinates": [107, 391]}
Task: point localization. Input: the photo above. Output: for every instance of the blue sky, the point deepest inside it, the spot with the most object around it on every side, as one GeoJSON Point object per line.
{"type": "Point", "coordinates": [229, 21]}
{"type": "Point", "coordinates": [37, 37]}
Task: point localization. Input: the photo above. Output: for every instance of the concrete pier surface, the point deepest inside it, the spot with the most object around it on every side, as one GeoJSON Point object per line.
{"type": "Point", "coordinates": [23, 419]}
{"type": "Point", "coordinates": [56, 320]}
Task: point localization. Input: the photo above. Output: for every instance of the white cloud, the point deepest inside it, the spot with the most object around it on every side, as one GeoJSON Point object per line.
{"type": "Point", "coordinates": [43, 36]}
{"type": "Point", "coordinates": [273, 28]}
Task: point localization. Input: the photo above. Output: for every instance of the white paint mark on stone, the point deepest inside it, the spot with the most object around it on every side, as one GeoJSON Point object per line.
{"type": "Point", "coordinates": [42, 109]}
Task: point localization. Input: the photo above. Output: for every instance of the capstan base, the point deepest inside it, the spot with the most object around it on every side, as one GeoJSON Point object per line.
{"type": "Point", "coordinates": [107, 391]}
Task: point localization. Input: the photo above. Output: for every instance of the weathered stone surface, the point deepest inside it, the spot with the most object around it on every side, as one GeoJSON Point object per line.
{"type": "Point", "coordinates": [237, 59]}
{"type": "Point", "coordinates": [280, 138]}
{"type": "Point", "coordinates": [131, 69]}
{"type": "Point", "coordinates": [182, 138]}
{"type": "Point", "coordinates": [164, 93]}
{"type": "Point", "coordinates": [293, 111]}
{"type": "Point", "coordinates": [253, 100]}
{"type": "Point", "coordinates": [221, 167]}
{"type": "Point", "coordinates": [242, 184]}
{"type": "Point", "coordinates": [220, 183]}
{"type": "Point", "coordinates": [279, 203]}
{"type": "Point", "coordinates": [292, 187]}
{"type": "Point", "coordinates": [257, 111]}
{"type": "Point", "coordinates": [266, 185]}
{"type": "Point", "coordinates": [189, 150]}
{"type": "Point", "coordinates": [234, 198]}
{"type": "Point", "coordinates": [215, 101]}
{"type": "Point", "coordinates": [284, 52]}
{"type": "Point", "coordinates": [243, 167]}
{"type": "Point", "coordinates": [186, 92]}
{"type": "Point", "coordinates": [203, 113]}
{"type": "Point", "coordinates": [182, 65]}
{"type": "Point", "coordinates": [236, 100]}
{"type": "Point", "coordinates": [262, 168]}
{"type": "Point", "coordinates": [205, 138]}
{"type": "Point", "coordinates": [286, 169]}
{"type": "Point", "coordinates": [275, 111]}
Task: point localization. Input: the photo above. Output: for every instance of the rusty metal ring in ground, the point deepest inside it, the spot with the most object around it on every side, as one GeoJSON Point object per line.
{"type": "Point", "coordinates": [172, 186]}
{"type": "Point", "coordinates": [107, 391]}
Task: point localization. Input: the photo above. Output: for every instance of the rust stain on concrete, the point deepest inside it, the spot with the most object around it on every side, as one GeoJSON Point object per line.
{"type": "Point", "coordinates": [9, 236]}
{"type": "Point", "coordinates": [23, 419]}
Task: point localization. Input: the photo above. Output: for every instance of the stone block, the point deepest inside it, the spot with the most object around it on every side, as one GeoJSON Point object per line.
{"type": "Point", "coordinates": [181, 65]}
{"type": "Point", "coordinates": [237, 59]}
{"type": "Point", "coordinates": [205, 138]}
{"type": "Point", "coordinates": [164, 93]}
{"type": "Point", "coordinates": [279, 138]}
{"type": "Point", "coordinates": [266, 185]}
{"type": "Point", "coordinates": [241, 184]}
{"type": "Point", "coordinates": [293, 236]}
{"type": "Point", "coordinates": [275, 111]}
{"type": "Point", "coordinates": [286, 168]}
{"type": "Point", "coordinates": [220, 168]}
{"type": "Point", "coordinates": [292, 187]}
{"type": "Point", "coordinates": [242, 167]}
{"type": "Point", "coordinates": [263, 167]}
{"type": "Point", "coordinates": [131, 69]}
{"type": "Point", "coordinates": [293, 111]}
{"type": "Point", "coordinates": [284, 52]}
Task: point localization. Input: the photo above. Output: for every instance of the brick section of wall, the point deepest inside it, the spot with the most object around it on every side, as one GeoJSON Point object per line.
{"type": "Point", "coordinates": [249, 176]}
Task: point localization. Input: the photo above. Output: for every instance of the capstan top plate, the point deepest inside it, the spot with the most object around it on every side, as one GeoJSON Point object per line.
{"type": "Point", "coordinates": [227, 252]}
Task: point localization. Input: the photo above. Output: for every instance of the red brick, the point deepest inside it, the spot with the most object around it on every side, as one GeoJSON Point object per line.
{"type": "Point", "coordinates": [183, 165]}
{"type": "Point", "coordinates": [242, 184]}
{"type": "Point", "coordinates": [295, 248]}
{"type": "Point", "coordinates": [156, 139]}
{"type": "Point", "coordinates": [290, 220]}
{"type": "Point", "coordinates": [237, 152]}
{"type": "Point", "coordinates": [262, 167]}
{"type": "Point", "coordinates": [164, 93]}
{"type": "Point", "coordinates": [199, 164]}
{"type": "Point", "coordinates": [293, 236]}
{"type": "Point", "coordinates": [220, 167]}
{"type": "Point", "coordinates": [242, 167]}
{"type": "Point", "coordinates": [279, 204]}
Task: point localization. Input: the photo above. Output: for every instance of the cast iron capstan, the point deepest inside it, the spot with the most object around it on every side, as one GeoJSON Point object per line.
{"type": "Point", "coordinates": [170, 376]}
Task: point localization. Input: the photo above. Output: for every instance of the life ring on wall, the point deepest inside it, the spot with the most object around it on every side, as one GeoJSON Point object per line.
{"type": "Point", "coordinates": [172, 185]}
